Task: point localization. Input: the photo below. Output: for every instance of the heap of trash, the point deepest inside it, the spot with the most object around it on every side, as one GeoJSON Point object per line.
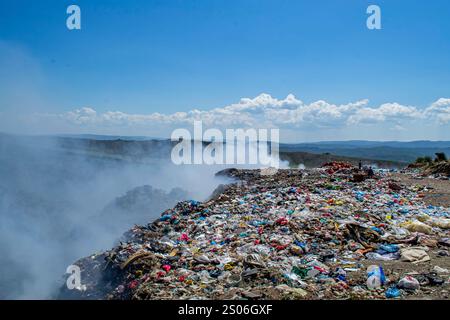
{"type": "Point", "coordinates": [439, 169]}
{"type": "Point", "coordinates": [337, 167]}
{"type": "Point", "coordinates": [435, 169]}
{"type": "Point", "coordinates": [295, 234]}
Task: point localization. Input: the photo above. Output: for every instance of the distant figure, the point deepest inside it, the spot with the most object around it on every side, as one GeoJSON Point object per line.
{"type": "Point", "coordinates": [360, 165]}
{"type": "Point", "coordinates": [370, 173]}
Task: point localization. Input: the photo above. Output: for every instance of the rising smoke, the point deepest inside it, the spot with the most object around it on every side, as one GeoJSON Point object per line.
{"type": "Point", "coordinates": [60, 203]}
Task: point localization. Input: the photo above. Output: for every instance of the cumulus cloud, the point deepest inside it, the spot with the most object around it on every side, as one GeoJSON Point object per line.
{"type": "Point", "coordinates": [265, 110]}
{"type": "Point", "coordinates": [439, 110]}
{"type": "Point", "coordinates": [385, 112]}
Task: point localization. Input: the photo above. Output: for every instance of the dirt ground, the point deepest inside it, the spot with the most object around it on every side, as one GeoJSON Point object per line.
{"type": "Point", "coordinates": [438, 193]}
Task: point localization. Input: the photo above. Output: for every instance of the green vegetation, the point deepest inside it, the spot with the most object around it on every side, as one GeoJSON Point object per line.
{"type": "Point", "coordinates": [440, 156]}
{"type": "Point", "coordinates": [424, 160]}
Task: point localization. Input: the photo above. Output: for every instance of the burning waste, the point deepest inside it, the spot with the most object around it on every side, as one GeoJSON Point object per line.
{"type": "Point", "coordinates": [298, 234]}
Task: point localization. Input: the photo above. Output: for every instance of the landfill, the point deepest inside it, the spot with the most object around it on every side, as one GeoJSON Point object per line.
{"type": "Point", "coordinates": [296, 234]}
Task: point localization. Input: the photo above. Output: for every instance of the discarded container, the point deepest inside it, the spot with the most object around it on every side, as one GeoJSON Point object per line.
{"type": "Point", "coordinates": [375, 277]}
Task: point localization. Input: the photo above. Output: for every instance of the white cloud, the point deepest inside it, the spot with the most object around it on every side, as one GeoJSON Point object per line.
{"type": "Point", "coordinates": [266, 111]}
{"type": "Point", "coordinates": [439, 110]}
{"type": "Point", "coordinates": [385, 112]}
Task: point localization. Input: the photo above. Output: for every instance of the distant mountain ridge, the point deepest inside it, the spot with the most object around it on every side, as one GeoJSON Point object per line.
{"type": "Point", "coordinates": [377, 150]}
{"type": "Point", "coordinates": [369, 144]}
{"type": "Point", "coordinates": [396, 151]}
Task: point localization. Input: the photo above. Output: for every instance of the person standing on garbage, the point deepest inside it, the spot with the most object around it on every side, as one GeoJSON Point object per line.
{"type": "Point", "coordinates": [360, 165]}
{"type": "Point", "coordinates": [370, 173]}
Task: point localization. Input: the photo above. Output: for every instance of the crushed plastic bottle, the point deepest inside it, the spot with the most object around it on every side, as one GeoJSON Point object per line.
{"type": "Point", "coordinates": [375, 277]}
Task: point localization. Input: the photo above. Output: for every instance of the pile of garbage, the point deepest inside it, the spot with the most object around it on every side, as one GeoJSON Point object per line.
{"type": "Point", "coordinates": [297, 234]}
{"type": "Point", "coordinates": [439, 170]}
{"type": "Point", "coordinates": [442, 167]}
{"type": "Point", "coordinates": [337, 167]}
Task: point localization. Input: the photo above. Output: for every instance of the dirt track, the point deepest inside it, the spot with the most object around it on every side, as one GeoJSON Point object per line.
{"type": "Point", "coordinates": [438, 191]}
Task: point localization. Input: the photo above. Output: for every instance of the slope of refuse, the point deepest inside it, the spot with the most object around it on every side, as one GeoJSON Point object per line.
{"type": "Point", "coordinates": [296, 234]}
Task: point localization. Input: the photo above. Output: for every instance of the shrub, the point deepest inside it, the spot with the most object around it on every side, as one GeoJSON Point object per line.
{"type": "Point", "coordinates": [440, 156]}
{"type": "Point", "coordinates": [428, 159]}
{"type": "Point", "coordinates": [424, 160]}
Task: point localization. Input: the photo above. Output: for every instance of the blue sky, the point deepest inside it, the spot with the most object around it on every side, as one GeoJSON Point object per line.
{"type": "Point", "coordinates": [144, 57]}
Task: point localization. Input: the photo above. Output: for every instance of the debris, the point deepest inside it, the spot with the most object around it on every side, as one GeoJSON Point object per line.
{"type": "Point", "coordinates": [392, 292]}
{"type": "Point", "coordinates": [415, 254]}
{"type": "Point", "coordinates": [440, 222]}
{"type": "Point", "coordinates": [417, 226]}
{"type": "Point", "coordinates": [409, 283]}
{"type": "Point", "coordinates": [375, 277]}
{"type": "Point", "coordinates": [438, 269]}
{"type": "Point", "coordinates": [297, 234]}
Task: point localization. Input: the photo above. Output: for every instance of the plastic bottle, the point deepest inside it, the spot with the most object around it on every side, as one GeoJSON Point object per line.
{"type": "Point", "coordinates": [375, 277]}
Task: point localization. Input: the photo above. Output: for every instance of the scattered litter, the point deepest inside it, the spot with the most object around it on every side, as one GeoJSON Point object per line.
{"type": "Point", "coordinates": [392, 292]}
{"type": "Point", "coordinates": [415, 254]}
{"type": "Point", "coordinates": [409, 283]}
{"type": "Point", "coordinates": [438, 269]}
{"type": "Point", "coordinates": [297, 234]}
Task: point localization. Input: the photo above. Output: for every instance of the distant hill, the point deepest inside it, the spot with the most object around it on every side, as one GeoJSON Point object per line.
{"type": "Point", "coordinates": [107, 137]}
{"type": "Point", "coordinates": [369, 144]}
{"type": "Point", "coordinates": [390, 153]}
{"type": "Point", "coordinates": [149, 149]}
{"type": "Point", "coordinates": [404, 152]}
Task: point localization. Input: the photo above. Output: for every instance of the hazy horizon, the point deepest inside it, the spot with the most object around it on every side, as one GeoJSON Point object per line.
{"type": "Point", "coordinates": [142, 138]}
